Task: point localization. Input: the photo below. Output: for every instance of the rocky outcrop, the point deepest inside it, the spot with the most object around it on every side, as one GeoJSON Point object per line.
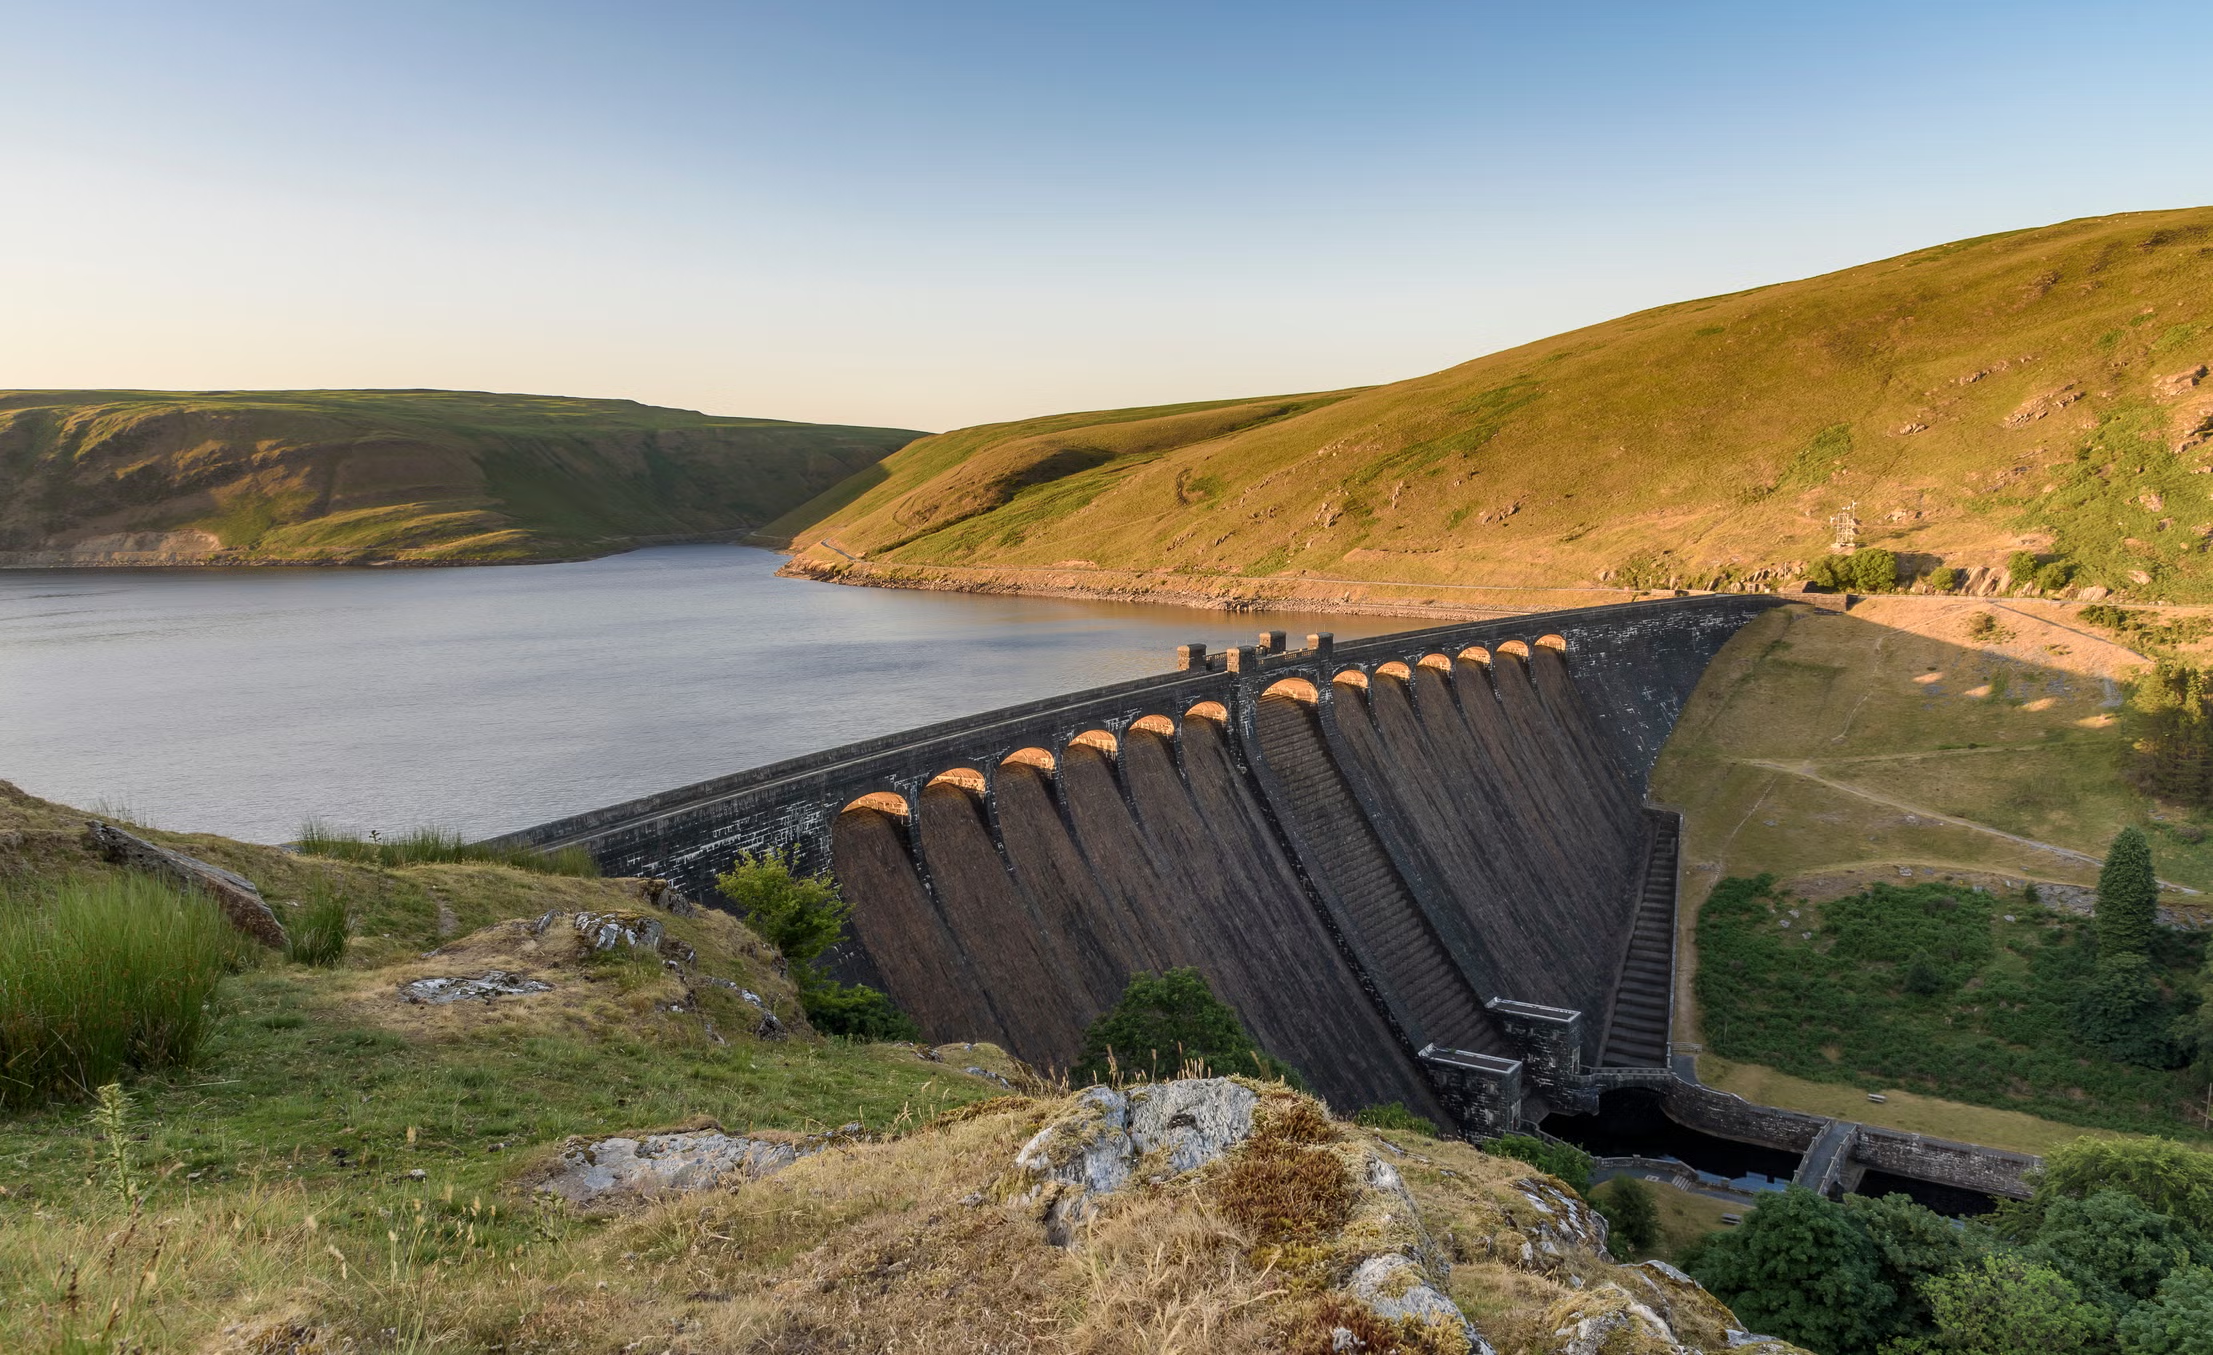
{"type": "Point", "coordinates": [1153, 1132]}
{"type": "Point", "coordinates": [484, 987]}
{"type": "Point", "coordinates": [599, 1173]}
{"type": "Point", "coordinates": [239, 899]}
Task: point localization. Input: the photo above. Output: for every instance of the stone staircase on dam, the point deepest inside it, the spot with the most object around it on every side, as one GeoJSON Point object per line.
{"type": "Point", "coordinates": [1644, 994]}
{"type": "Point", "coordinates": [1367, 849]}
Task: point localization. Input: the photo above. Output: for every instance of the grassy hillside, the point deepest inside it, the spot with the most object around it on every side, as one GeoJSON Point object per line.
{"type": "Point", "coordinates": [92, 477]}
{"type": "Point", "coordinates": [343, 1169]}
{"type": "Point", "coordinates": [2036, 390]}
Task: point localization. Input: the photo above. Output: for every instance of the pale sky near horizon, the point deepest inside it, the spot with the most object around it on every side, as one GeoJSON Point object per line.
{"type": "Point", "coordinates": [930, 215]}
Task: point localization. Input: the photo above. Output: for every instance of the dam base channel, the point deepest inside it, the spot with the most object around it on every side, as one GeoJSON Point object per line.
{"type": "Point", "coordinates": [1422, 867]}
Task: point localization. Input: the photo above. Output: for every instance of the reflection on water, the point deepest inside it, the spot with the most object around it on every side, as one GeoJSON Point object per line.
{"type": "Point", "coordinates": [481, 699]}
{"type": "Point", "coordinates": [1632, 1124]}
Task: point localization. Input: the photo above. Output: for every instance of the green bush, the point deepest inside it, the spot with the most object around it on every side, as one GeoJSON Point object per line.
{"type": "Point", "coordinates": [1943, 578]}
{"type": "Point", "coordinates": [316, 935]}
{"type": "Point", "coordinates": [2165, 1176]}
{"type": "Point", "coordinates": [2021, 567]}
{"type": "Point", "coordinates": [2113, 1247]}
{"type": "Point", "coordinates": [2055, 576]}
{"type": "Point", "coordinates": [2008, 1305]}
{"type": "Point", "coordinates": [2179, 1321]}
{"type": "Point", "coordinates": [1395, 1115]}
{"type": "Point", "coordinates": [2176, 702]}
{"type": "Point", "coordinates": [1564, 1160]}
{"type": "Point", "coordinates": [432, 846]}
{"type": "Point", "coordinates": [2123, 1012]}
{"type": "Point", "coordinates": [1873, 570]}
{"type": "Point", "coordinates": [103, 974]}
{"type": "Point", "coordinates": [803, 916]}
{"type": "Point", "coordinates": [1166, 1021]}
{"type": "Point", "coordinates": [855, 1011]}
{"type": "Point", "coordinates": [1632, 1216]}
{"type": "Point", "coordinates": [1801, 1268]}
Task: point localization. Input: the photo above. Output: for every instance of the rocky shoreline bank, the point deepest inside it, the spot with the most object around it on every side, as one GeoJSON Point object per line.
{"type": "Point", "coordinates": [1223, 593]}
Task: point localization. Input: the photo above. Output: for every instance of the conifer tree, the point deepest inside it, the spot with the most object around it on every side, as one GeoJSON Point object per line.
{"type": "Point", "coordinates": [2128, 897]}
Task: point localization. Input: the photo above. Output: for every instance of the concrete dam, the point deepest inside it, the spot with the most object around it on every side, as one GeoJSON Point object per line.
{"type": "Point", "coordinates": [1420, 866]}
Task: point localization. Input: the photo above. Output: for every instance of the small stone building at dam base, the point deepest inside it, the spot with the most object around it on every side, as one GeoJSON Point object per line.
{"type": "Point", "coordinates": [1420, 866]}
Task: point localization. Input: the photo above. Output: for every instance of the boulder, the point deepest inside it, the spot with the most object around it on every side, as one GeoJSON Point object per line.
{"type": "Point", "coordinates": [1098, 1145]}
{"type": "Point", "coordinates": [239, 899]}
{"type": "Point", "coordinates": [597, 1172]}
{"type": "Point", "coordinates": [491, 984]}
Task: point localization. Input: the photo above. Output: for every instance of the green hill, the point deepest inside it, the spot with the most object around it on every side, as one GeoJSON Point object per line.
{"type": "Point", "coordinates": [2036, 390]}
{"type": "Point", "coordinates": [123, 477]}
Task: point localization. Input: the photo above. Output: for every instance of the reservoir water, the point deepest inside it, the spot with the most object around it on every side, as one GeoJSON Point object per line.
{"type": "Point", "coordinates": [244, 701]}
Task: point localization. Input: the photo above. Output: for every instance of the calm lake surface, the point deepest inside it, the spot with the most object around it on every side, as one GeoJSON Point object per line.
{"type": "Point", "coordinates": [482, 699]}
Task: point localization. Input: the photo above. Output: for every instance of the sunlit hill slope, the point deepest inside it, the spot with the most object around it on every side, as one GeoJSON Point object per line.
{"type": "Point", "coordinates": [131, 477]}
{"type": "Point", "coordinates": [2042, 390]}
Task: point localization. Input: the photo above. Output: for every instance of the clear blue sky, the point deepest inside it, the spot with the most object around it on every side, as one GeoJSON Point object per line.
{"type": "Point", "coordinates": [936, 214]}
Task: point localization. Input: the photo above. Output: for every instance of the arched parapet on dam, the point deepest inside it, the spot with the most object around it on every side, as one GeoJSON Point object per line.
{"type": "Point", "coordinates": [1361, 845]}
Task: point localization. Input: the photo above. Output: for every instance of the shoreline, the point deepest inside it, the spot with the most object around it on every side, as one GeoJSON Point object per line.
{"type": "Point", "coordinates": [67, 559]}
{"type": "Point", "coordinates": [1221, 592]}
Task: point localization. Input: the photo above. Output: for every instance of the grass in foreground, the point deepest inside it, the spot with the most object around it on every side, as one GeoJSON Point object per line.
{"type": "Point", "coordinates": [103, 974]}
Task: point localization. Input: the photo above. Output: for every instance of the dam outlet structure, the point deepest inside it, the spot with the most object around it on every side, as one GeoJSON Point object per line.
{"type": "Point", "coordinates": [1421, 866]}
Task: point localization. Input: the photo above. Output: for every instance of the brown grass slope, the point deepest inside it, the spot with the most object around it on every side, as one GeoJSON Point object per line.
{"type": "Point", "coordinates": [238, 477]}
{"type": "Point", "coordinates": [2039, 389]}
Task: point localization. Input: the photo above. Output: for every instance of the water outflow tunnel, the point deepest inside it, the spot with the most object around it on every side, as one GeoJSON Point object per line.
{"type": "Point", "coordinates": [1421, 867]}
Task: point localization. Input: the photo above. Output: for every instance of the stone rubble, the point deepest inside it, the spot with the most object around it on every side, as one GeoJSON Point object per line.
{"type": "Point", "coordinates": [491, 984]}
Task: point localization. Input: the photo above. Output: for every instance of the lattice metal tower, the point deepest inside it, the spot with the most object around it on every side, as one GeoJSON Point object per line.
{"type": "Point", "coordinates": [1846, 526]}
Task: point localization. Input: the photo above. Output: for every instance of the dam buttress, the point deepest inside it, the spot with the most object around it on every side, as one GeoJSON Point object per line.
{"type": "Point", "coordinates": [1402, 860]}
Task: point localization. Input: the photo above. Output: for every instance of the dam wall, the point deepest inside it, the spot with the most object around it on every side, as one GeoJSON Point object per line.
{"type": "Point", "coordinates": [1361, 846]}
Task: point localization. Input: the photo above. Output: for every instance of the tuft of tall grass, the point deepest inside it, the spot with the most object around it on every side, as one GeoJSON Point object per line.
{"type": "Point", "coordinates": [102, 974]}
{"type": "Point", "coordinates": [429, 845]}
{"type": "Point", "coordinates": [316, 935]}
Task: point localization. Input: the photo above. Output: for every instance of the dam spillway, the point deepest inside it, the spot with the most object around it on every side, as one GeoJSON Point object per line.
{"type": "Point", "coordinates": [1413, 864]}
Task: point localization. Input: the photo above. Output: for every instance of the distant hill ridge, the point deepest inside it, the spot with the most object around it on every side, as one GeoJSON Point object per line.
{"type": "Point", "coordinates": [414, 476]}
{"type": "Point", "coordinates": [2042, 390]}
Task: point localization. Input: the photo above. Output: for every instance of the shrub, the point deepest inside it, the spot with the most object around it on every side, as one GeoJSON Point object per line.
{"type": "Point", "coordinates": [855, 1011]}
{"type": "Point", "coordinates": [2055, 576]}
{"type": "Point", "coordinates": [2112, 1247]}
{"type": "Point", "coordinates": [1912, 1244]}
{"type": "Point", "coordinates": [2165, 1176]}
{"type": "Point", "coordinates": [2128, 897]}
{"type": "Point", "coordinates": [1395, 1115]}
{"type": "Point", "coordinates": [1165, 1021]}
{"type": "Point", "coordinates": [2178, 1322]}
{"type": "Point", "coordinates": [1943, 578]}
{"type": "Point", "coordinates": [1632, 1216]}
{"type": "Point", "coordinates": [1873, 570]}
{"type": "Point", "coordinates": [429, 846]}
{"type": "Point", "coordinates": [803, 916]}
{"type": "Point", "coordinates": [317, 933]}
{"type": "Point", "coordinates": [1564, 1160]}
{"type": "Point", "coordinates": [1985, 627]}
{"type": "Point", "coordinates": [2123, 1012]}
{"type": "Point", "coordinates": [1801, 1268]}
{"type": "Point", "coordinates": [2176, 700]}
{"type": "Point", "coordinates": [1923, 978]}
{"type": "Point", "coordinates": [103, 974]}
{"type": "Point", "coordinates": [2006, 1305]}
{"type": "Point", "coordinates": [2021, 567]}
